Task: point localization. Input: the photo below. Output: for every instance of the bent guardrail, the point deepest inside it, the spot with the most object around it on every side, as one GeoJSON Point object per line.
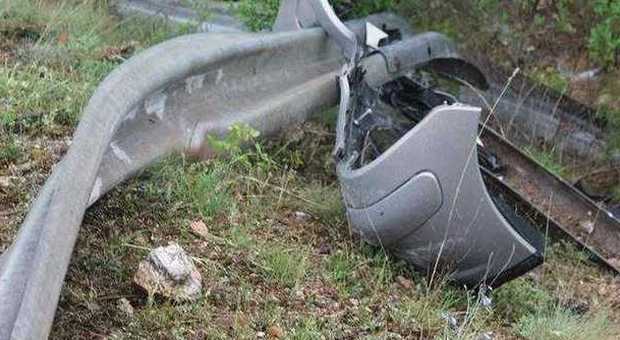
{"type": "Point", "coordinates": [166, 99]}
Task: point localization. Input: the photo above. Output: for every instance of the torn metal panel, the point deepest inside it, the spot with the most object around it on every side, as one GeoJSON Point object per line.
{"type": "Point", "coordinates": [412, 185]}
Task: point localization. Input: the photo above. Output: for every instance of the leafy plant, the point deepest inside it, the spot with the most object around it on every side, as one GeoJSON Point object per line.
{"type": "Point", "coordinates": [519, 298]}
{"type": "Point", "coordinates": [258, 14]}
{"type": "Point", "coordinates": [604, 41]}
{"type": "Point", "coordinates": [550, 77]}
{"type": "Point", "coordinates": [10, 151]}
{"type": "Point", "coordinates": [548, 160]}
{"type": "Point", "coordinates": [238, 135]}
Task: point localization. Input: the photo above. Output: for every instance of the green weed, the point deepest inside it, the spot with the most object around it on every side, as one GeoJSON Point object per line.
{"type": "Point", "coordinates": [283, 266]}
{"type": "Point", "coordinates": [258, 14]}
{"type": "Point", "coordinates": [550, 77]}
{"type": "Point", "coordinates": [548, 160]}
{"type": "Point", "coordinates": [261, 14]}
{"type": "Point", "coordinates": [327, 203]}
{"type": "Point", "coordinates": [521, 297]}
{"type": "Point", "coordinates": [37, 95]}
{"type": "Point", "coordinates": [307, 329]}
{"type": "Point", "coordinates": [238, 135]}
{"type": "Point", "coordinates": [604, 41]}
{"type": "Point", "coordinates": [341, 267]}
{"type": "Point", "coordinates": [67, 56]}
{"type": "Point", "coordinates": [362, 8]}
{"type": "Point", "coordinates": [10, 150]}
{"type": "Point", "coordinates": [201, 186]}
{"type": "Point", "coordinates": [423, 312]}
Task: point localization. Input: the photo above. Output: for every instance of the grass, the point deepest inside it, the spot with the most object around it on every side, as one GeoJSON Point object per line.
{"type": "Point", "coordinates": [262, 268]}
{"type": "Point", "coordinates": [205, 188]}
{"type": "Point", "coordinates": [283, 266]}
{"type": "Point", "coordinates": [38, 96]}
{"type": "Point", "coordinates": [341, 267]}
{"type": "Point", "coordinates": [260, 15]}
{"type": "Point", "coordinates": [62, 50]}
{"type": "Point", "coordinates": [10, 151]}
{"type": "Point", "coordinates": [520, 298]}
{"type": "Point", "coordinates": [548, 160]}
{"type": "Point", "coordinates": [563, 324]}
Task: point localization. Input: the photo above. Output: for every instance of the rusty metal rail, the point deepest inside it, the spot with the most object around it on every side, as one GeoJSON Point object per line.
{"type": "Point", "coordinates": [553, 203]}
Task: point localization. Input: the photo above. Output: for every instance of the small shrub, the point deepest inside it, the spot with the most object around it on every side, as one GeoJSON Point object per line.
{"type": "Point", "coordinates": [10, 151]}
{"type": "Point", "coordinates": [548, 160]}
{"type": "Point", "coordinates": [604, 41]}
{"type": "Point", "coordinates": [231, 144]}
{"type": "Point", "coordinates": [550, 77]}
{"type": "Point", "coordinates": [258, 14]}
{"type": "Point", "coordinates": [519, 298]}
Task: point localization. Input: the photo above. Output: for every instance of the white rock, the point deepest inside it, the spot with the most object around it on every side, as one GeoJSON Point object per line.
{"type": "Point", "coordinates": [486, 336]}
{"type": "Point", "coordinates": [587, 226]}
{"type": "Point", "coordinates": [5, 181]}
{"type": "Point", "coordinates": [170, 272]}
{"type": "Point", "coordinates": [301, 216]}
{"type": "Point", "coordinates": [200, 228]}
{"type": "Point", "coordinates": [125, 306]}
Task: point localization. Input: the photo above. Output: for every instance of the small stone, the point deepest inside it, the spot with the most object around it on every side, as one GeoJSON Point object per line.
{"type": "Point", "coordinates": [260, 334]}
{"type": "Point", "coordinates": [5, 181]}
{"type": "Point", "coordinates": [125, 306]}
{"type": "Point", "coordinates": [542, 5]}
{"type": "Point", "coordinates": [200, 229]}
{"type": "Point", "coordinates": [451, 320]}
{"type": "Point", "coordinates": [354, 302]}
{"type": "Point", "coordinates": [486, 301]}
{"type": "Point", "coordinates": [485, 296]}
{"type": "Point", "coordinates": [93, 306]}
{"type": "Point", "coordinates": [486, 336]}
{"type": "Point", "coordinates": [325, 248]}
{"type": "Point", "coordinates": [275, 332]}
{"type": "Point", "coordinates": [587, 226]}
{"type": "Point", "coordinates": [301, 216]}
{"type": "Point", "coordinates": [169, 272]}
{"type": "Point", "coordinates": [404, 282]}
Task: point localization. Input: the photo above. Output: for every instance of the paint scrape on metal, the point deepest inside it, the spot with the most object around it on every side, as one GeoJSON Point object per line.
{"type": "Point", "coordinates": [120, 153]}
{"type": "Point", "coordinates": [194, 83]}
{"type": "Point", "coordinates": [156, 104]}
{"type": "Point", "coordinates": [96, 193]}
